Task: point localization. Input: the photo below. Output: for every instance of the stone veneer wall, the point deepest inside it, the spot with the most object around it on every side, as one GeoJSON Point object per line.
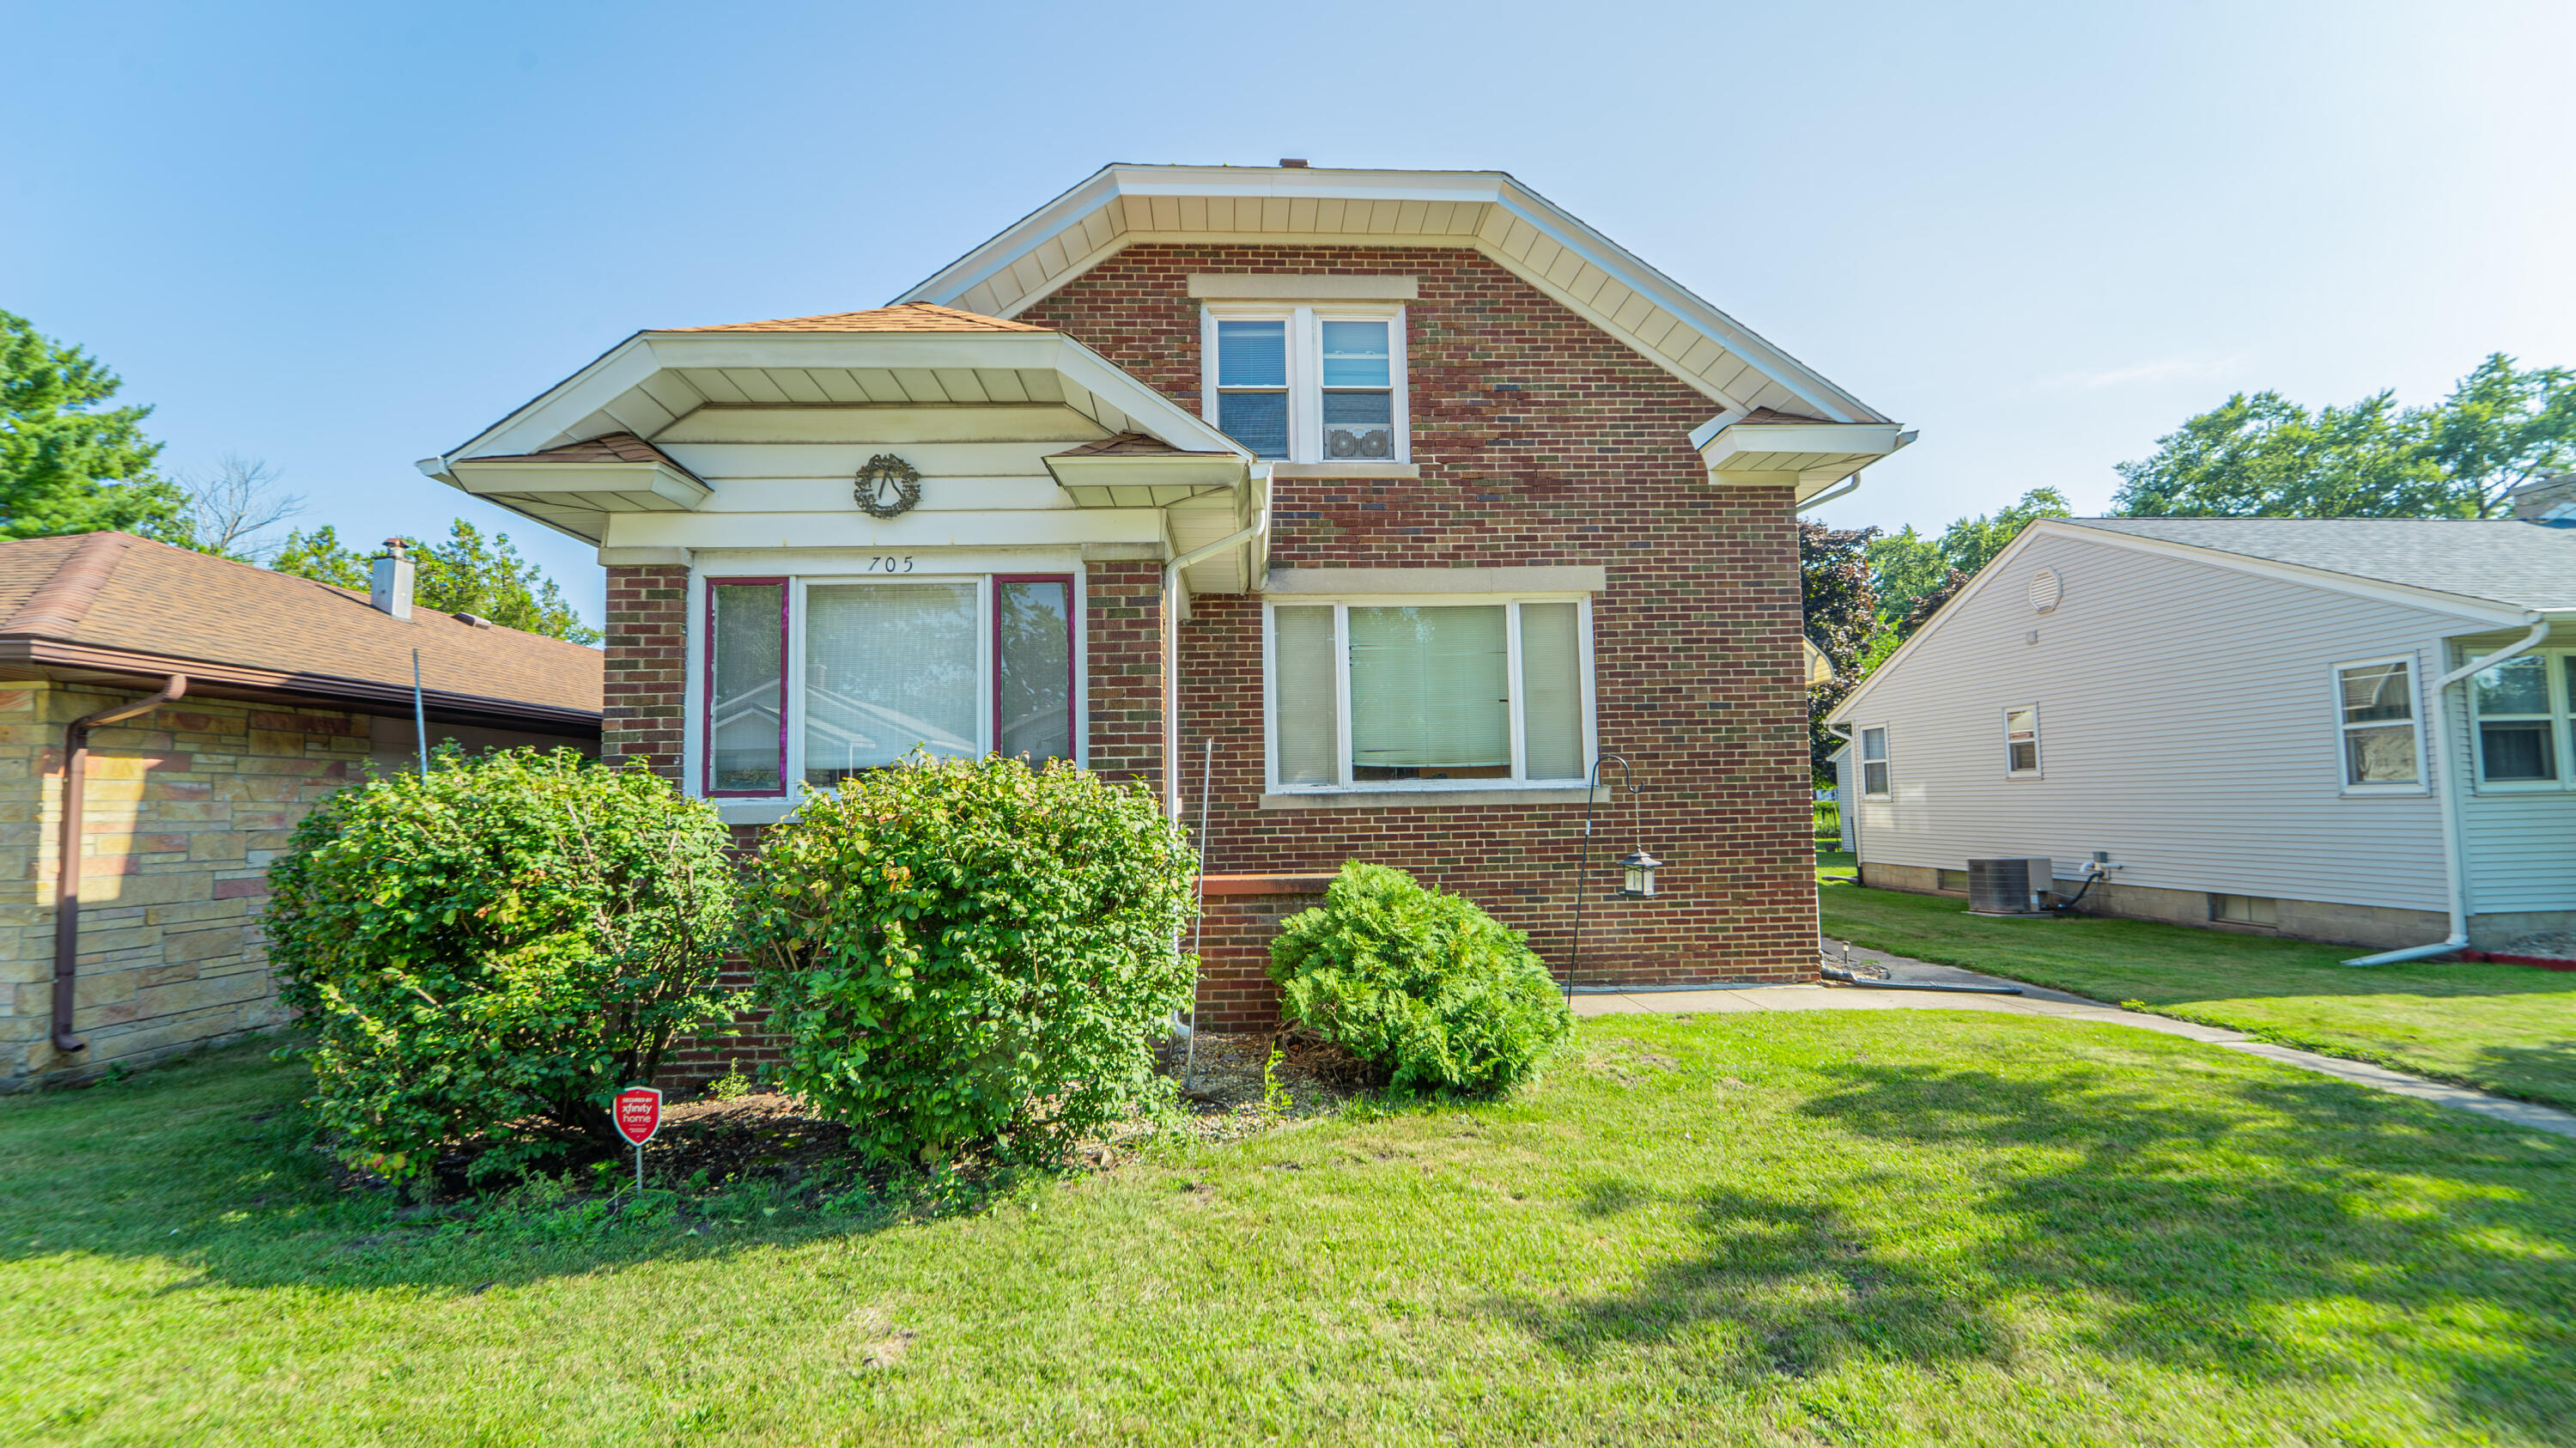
{"type": "Point", "coordinates": [186, 806]}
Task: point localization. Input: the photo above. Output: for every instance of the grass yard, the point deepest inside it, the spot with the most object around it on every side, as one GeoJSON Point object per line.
{"type": "Point", "coordinates": [1897, 1227]}
{"type": "Point", "coordinates": [2504, 1028]}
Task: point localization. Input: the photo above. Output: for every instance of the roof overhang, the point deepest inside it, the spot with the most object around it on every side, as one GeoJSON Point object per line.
{"type": "Point", "coordinates": [653, 379]}
{"type": "Point", "coordinates": [76, 662]}
{"type": "Point", "coordinates": [1808, 456]}
{"type": "Point", "coordinates": [1115, 481]}
{"type": "Point", "coordinates": [577, 497]}
{"type": "Point", "coordinates": [1486, 211]}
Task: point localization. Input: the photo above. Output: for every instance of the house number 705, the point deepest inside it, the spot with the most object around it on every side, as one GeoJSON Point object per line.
{"type": "Point", "coordinates": [891, 565]}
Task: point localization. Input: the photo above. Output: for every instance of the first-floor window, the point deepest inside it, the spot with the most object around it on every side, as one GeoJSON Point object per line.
{"type": "Point", "coordinates": [957, 667]}
{"type": "Point", "coordinates": [1873, 763]}
{"type": "Point", "coordinates": [2021, 740]}
{"type": "Point", "coordinates": [1403, 694]}
{"type": "Point", "coordinates": [2518, 721]}
{"type": "Point", "coordinates": [2376, 701]}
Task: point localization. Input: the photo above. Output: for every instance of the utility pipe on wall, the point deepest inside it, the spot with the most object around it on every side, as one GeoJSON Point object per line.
{"type": "Point", "coordinates": [1172, 646]}
{"type": "Point", "coordinates": [67, 865]}
{"type": "Point", "coordinates": [2454, 871]}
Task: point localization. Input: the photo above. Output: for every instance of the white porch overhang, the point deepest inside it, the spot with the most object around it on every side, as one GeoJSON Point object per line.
{"type": "Point", "coordinates": [1808, 454]}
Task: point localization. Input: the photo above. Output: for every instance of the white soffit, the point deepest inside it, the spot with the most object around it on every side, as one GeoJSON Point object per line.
{"type": "Point", "coordinates": [1486, 211]}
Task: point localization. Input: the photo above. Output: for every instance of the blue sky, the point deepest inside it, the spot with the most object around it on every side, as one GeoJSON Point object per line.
{"type": "Point", "coordinates": [340, 238]}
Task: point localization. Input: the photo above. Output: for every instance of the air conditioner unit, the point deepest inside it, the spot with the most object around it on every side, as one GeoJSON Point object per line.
{"type": "Point", "coordinates": [2010, 887]}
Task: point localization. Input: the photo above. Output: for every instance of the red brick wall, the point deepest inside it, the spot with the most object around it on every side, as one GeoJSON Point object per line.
{"type": "Point", "coordinates": [1123, 664]}
{"type": "Point", "coordinates": [646, 692]}
{"type": "Point", "coordinates": [1542, 441]}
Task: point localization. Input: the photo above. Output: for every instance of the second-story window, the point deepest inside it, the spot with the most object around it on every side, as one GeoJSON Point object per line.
{"type": "Point", "coordinates": [1322, 384]}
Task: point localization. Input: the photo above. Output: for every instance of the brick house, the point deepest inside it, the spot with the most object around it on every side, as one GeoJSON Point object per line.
{"type": "Point", "coordinates": [1392, 500]}
{"type": "Point", "coordinates": [222, 701]}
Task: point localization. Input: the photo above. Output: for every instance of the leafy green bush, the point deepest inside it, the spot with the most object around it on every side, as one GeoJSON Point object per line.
{"type": "Point", "coordinates": [1423, 985]}
{"type": "Point", "coordinates": [491, 954]}
{"type": "Point", "coordinates": [971, 956]}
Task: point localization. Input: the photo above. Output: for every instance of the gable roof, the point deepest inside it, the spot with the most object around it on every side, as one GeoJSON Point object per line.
{"type": "Point", "coordinates": [2499, 560]}
{"type": "Point", "coordinates": [901, 317]}
{"type": "Point", "coordinates": [2427, 563]}
{"type": "Point", "coordinates": [115, 603]}
{"type": "Point", "coordinates": [1485, 211]}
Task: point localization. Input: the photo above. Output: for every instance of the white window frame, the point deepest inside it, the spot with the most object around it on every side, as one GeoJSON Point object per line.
{"type": "Point", "coordinates": [2554, 665]}
{"type": "Point", "coordinates": [1341, 607]}
{"type": "Point", "coordinates": [2038, 759]}
{"type": "Point", "coordinates": [793, 661]}
{"type": "Point", "coordinates": [2342, 728]}
{"type": "Point", "coordinates": [1306, 370]}
{"type": "Point", "coordinates": [1886, 760]}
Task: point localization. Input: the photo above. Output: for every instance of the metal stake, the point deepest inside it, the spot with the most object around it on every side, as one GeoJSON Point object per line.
{"type": "Point", "coordinates": [1628, 781]}
{"type": "Point", "coordinates": [420, 742]}
{"type": "Point", "coordinates": [639, 1168]}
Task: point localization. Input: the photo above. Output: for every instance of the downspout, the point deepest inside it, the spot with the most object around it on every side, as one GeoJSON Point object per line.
{"type": "Point", "coordinates": [67, 870]}
{"type": "Point", "coordinates": [1172, 647]}
{"type": "Point", "coordinates": [1836, 493]}
{"type": "Point", "coordinates": [2454, 870]}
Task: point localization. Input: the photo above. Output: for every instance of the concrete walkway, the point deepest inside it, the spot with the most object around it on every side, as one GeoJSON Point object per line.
{"type": "Point", "coordinates": [2033, 1001]}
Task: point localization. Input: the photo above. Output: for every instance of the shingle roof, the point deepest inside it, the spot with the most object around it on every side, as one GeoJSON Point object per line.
{"type": "Point", "coordinates": [1131, 444]}
{"type": "Point", "coordinates": [608, 447]}
{"type": "Point", "coordinates": [1772, 417]}
{"type": "Point", "coordinates": [114, 591]}
{"type": "Point", "coordinates": [902, 317]}
{"type": "Point", "coordinates": [2526, 565]}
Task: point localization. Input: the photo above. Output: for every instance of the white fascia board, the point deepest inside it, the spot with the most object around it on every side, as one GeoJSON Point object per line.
{"type": "Point", "coordinates": [539, 479]}
{"type": "Point", "coordinates": [1147, 406]}
{"type": "Point", "coordinates": [1494, 188]}
{"type": "Point", "coordinates": [534, 424]}
{"type": "Point", "coordinates": [1831, 439]}
{"type": "Point", "coordinates": [2486, 612]}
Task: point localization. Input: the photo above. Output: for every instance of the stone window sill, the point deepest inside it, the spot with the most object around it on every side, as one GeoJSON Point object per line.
{"type": "Point", "coordinates": [1423, 798]}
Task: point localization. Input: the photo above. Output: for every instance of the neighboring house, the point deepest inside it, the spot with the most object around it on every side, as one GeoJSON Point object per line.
{"type": "Point", "coordinates": [287, 689]}
{"type": "Point", "coordinates": [2264, 723]}
{"type": "Point", "coordinates": [1405, 491]}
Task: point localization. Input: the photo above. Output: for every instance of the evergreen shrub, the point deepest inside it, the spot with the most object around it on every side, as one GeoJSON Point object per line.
{"type": "Point", "coordinates": [972, 957]}
{"type": "Point", "coordinates": [1432, 991]}
{"type": "Point", "coordinates": [488, 955]}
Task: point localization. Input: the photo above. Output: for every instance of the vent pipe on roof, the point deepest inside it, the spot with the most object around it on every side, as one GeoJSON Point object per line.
{"type": "Point", "coordinates": [390, 589]}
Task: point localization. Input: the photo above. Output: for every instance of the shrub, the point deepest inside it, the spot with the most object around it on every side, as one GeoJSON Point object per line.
{"type": "Point", "coordinates": [1425, 986]}
{"type": "Point", "coordinates": [492, 953]}
{"type": "Point", "coordinates": [972, 957]}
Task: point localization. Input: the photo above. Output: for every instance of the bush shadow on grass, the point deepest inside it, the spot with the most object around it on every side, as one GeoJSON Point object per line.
{"type": "Point", "coordinates": [2293, 1228]}
{"type": "Point", "coordinates": [203, 1163]}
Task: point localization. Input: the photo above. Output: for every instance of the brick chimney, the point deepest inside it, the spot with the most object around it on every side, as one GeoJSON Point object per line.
{"type": "Point", "coordinates": [2547, 500]}
{"type": "Point", "coordinates": [391, 588]}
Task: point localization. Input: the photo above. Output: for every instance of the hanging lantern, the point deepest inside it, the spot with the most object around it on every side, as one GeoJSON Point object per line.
{"type": "Point", "coordinates": [1640, 869]}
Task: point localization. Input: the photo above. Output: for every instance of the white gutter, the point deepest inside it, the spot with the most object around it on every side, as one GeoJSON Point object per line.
{"type": "Point", "coordinates": [2454, 871]}
{"type": "Point", "coordinates": [1172, 645]}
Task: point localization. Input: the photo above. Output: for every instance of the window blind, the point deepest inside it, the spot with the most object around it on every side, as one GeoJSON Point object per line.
{"type": "Point", "coordinates": [1552, 691]}
{"type": "Point", "coordinates": [888, 666]}
{"type": "Point", "coordinates": [1302, 644]}
{"type": "Point", "coordinates": [1429, 690]}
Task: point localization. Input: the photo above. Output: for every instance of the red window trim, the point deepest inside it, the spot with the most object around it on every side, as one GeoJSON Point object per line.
{"type": "Point", "coordinates": [1072, 609]}
{"type": "Point", "coordinates": [707, 704]}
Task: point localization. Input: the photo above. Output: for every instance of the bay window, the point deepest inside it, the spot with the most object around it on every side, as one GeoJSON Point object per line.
{"type": "Point", "coordinates": [1308, 384]}
{"type": "Point", "coordinates": [2520, 717]}
{"type": "Point", "coordinates": [819, 679]}
{"type": "Point", "coordinates": [1397, 695]}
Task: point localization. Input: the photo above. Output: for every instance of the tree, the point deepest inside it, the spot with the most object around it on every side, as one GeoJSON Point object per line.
{"type": "Point", "coordinates": [2265, 456]}
{"type": "Point", "coordinates": [1915, 575]}
{"type": "Point", "coordinates": [67, 463]}
{"type": "Point", "coordinates": [465, 574]}
{"type": "Point", "coordinates": [225, 511]}
{"type": "Point", "coordinates": [1903, 566]}
{"type": "Point", "coordinates": [1841, 613]}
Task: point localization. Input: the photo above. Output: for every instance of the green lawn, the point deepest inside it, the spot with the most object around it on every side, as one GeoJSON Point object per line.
{"type": "Point", "coordinates": [2502, 1028]}
{"type": "Point", "coordinates": [1899, 1227]}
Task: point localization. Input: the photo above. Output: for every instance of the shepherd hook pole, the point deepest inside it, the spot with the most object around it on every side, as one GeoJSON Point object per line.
{"type": "Point", "coordinates": [1591, 786]}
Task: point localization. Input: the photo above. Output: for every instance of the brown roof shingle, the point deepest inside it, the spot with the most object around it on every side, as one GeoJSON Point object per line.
{"type": "Point", "coordinates": [902, 317]}
{"type": "Point", "coordinates": [1767, 417]}
{"type": "Point", "coordinates": [1131, 444]}
{"type": "Point", "coordinates": [114, 591]}
{"type": "Point", "coordinates": [608, 447]}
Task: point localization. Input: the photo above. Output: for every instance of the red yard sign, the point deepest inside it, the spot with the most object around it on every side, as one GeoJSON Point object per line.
{"type": "Point", "coordinates": [639, 1114]}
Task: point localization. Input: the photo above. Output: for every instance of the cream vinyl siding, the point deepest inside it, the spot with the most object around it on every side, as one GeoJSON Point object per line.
{"type": "Point", "coordinates": [2189, 719]}
{"type": "Point", "coordinates": [2520, 845]}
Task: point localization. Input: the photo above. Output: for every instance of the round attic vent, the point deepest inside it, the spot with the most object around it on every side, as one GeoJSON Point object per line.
{"type": "Point", "coordinates": [2043, 590]}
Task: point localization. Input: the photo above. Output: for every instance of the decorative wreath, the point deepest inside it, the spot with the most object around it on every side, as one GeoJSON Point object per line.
{"type": "Point", "coordinates": [888, 486]}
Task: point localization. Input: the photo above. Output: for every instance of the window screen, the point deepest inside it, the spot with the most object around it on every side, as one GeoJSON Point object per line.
{"type": "Point", "coordinates": [1252, 385]}
{"type": "Point", "coordinates": [2517, 737]}
{"type": "Point", "coordinates": [746, 695]}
